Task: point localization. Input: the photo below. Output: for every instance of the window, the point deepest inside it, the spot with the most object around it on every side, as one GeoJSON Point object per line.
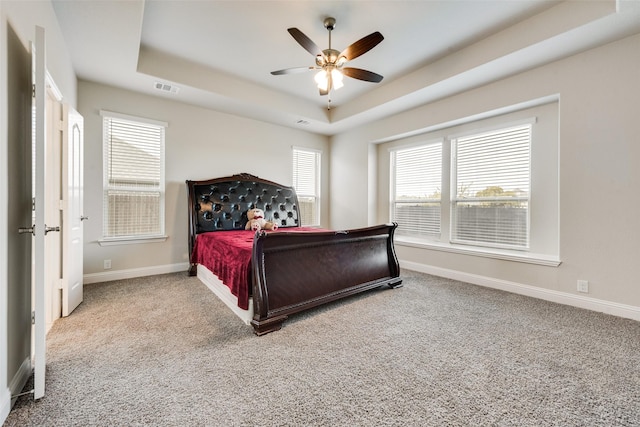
{"type": "Point", "coordinates": [489, 206]}
{"type": "Point", "coordinates": [133, 177]}
{"type": "Point", "coordinates": [306, 181]}
{"type": "Point", "coordinates": [496, 186]}
{"type": "Point", "coordinates": [417, 189]}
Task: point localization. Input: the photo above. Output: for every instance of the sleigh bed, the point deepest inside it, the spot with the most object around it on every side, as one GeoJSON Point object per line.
{"type": "Point", "coordinates": [266, 276]}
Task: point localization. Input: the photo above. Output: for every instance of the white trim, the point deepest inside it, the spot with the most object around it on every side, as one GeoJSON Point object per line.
{"type": "Point", "coordinates": [507, 255]}
{"type": "Point", "coordinates": [105, 113]}
{"type": "Point", "coordinates": [593, 304]}
{"type": "Point", "coordinates": [5, 405]}
{"type": "Point", "coordinates": [114, 241]}
{"type": "Point", "coordinates": [300, 148]}
{"type": "Point", "coordinates": [51, 85]}
{"type": "Point", "coordinates": [414, 143]}
{"type": "Point", "coordinates": [130, 273]}
{"type": "Point", "coordinates": [21, 377]}
{"type": "Point", "coordinates": [223, 292]}
{"type": "Point", "coordinates": [496, 127]}
{"type": "Point", "coordinates": [15, 387]}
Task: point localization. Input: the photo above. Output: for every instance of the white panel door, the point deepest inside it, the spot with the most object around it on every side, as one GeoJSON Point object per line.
{"type": "Point", "coordinates": [39, 82]}
{"type": "Point", "coordinates": [73, 213]}
{"type": "Point", "coordinates": [18, 344]}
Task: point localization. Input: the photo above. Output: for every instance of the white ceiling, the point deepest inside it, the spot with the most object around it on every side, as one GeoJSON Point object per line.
{"type": "Point", "coordinates": [220, 53]}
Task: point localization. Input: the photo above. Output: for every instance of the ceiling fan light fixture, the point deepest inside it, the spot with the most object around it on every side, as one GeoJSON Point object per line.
{"type": "Point", "coordinates": [322, 80]}
{"type": "Point", "coordinates": [336, 78]}
{"type": "Point", "coordinates": [330, 62]}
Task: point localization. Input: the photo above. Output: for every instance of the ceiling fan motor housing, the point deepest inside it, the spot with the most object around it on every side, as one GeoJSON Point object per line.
{"type": "Point", "coordinates": [330, 56]}
{"type": "Point", "coordinates": [330, 23]}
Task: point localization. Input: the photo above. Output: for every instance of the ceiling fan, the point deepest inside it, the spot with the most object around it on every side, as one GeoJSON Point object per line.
{"type": "Point", "coordinates": [331, 62]}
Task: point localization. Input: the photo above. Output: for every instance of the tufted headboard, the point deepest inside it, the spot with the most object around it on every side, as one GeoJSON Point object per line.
{"type": "Point", "coordinates": [222, 203]}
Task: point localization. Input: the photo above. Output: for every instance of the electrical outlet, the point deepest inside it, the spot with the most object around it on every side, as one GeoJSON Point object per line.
{"type": "Point", "coordinates": [107, 264]}
{"type": "Point", "coordinates": [583, 286]}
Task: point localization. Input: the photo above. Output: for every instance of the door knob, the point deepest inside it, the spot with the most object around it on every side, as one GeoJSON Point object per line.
{"type": "Point", "coordinates": [48, 229]}
{"type": "Point", "coordinates": [27, 230]}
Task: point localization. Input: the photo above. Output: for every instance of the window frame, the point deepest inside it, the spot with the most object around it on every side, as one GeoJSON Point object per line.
{"type": "Point", "coordinates": [455, 199]}
{"type": "Point", "coordinates": [160, 236]}
{"type": "Point", "coordinates": [544, 206]}
{"type": "Point", "coordinates": [394, 198]}
{"type": "Point", "coordinates": [316, 196]}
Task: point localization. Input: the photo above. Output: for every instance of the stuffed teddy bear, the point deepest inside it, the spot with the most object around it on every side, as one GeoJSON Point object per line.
{"type": "Point", "coordinates": [257, 222]}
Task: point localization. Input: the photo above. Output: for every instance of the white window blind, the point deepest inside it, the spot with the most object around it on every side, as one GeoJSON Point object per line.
{"type": "Point", "coordinates": [133, 177]}
{"type": "Point", "coordinates": [416, 190]}
{"type": "Point", "coordinates": [490, 204]}
{"type": "Point", "coordinates": [306, 181]}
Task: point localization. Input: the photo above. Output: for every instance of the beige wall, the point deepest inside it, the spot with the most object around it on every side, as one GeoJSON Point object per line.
{"type": "Point", "coordinates": [200, 144]}
{"type": "Point", "coordinates": [599, 150]}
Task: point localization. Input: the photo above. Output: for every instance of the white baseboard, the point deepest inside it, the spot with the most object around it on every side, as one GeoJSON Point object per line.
{"type": "Point", "coordinates": [15, 387]}
{"type": "Point", "coordinates": [130, 273]}
{"type": "Point", "coordinates": [608, 307]}
{"type": "Point", "coordinates": [5, 405]}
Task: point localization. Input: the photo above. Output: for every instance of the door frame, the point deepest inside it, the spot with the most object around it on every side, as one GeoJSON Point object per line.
{"type": "Point", "coordinates": [53, 200]}
{"type": "Point", "coordinates": [39, 316]}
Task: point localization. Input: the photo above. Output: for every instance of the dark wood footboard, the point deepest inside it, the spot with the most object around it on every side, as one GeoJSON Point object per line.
{"type": "Point", "coordinates": [294, 271]}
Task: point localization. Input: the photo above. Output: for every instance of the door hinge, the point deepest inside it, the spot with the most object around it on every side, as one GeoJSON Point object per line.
{"type": "Point", "coordinates": [33, 204]}
{"type": "Point", "coordinates": [61, 205]}
{"type": "Point", "coordinates": [61, 125]}
{"type": "Point", "coordinates": [33, 317]}
{"type": "Point", "coordinates": [60, 283]}
{"type": "Point", "coordinates": [33, 91]}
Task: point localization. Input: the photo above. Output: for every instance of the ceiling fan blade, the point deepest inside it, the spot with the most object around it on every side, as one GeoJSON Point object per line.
{"type": "Point", "coordinates": [360, 74]}
{"type": "Point", "coordinates": [292, 70]}
{"type": "Point", "coordinates": [362, 46]}
{"type": "Point", "coordinates": [305, 42]}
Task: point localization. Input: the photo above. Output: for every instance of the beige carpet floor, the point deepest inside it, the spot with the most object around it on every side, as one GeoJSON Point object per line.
{"type": "Point", "coordinates": [163, 351]}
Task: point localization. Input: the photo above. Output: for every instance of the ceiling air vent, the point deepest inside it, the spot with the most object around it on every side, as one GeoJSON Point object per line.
{"type": "Point", "coordinates": [166, 87]}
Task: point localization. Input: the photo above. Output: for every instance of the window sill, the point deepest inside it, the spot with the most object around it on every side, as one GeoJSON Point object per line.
{"type": "Point", "coordinates": [131, 240]}
{"type": "Point", "coordinates": [525, 257]}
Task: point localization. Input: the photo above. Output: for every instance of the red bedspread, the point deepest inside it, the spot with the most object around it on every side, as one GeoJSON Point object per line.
{"type": "Point", "coordinates": [227, 254]}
